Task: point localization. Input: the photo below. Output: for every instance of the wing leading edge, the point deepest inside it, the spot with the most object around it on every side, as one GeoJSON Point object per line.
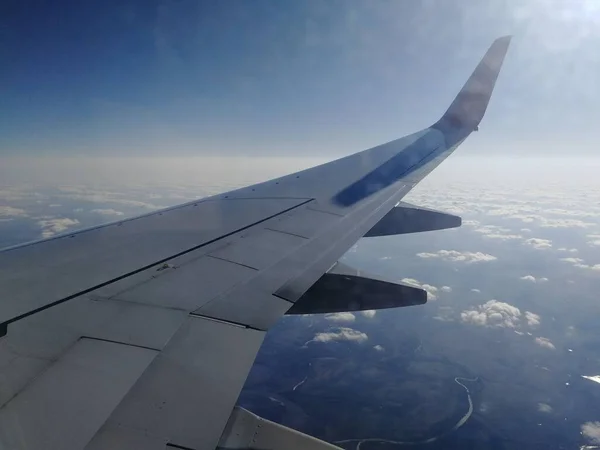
{"type": "Point", "coordinates": [140, 333]}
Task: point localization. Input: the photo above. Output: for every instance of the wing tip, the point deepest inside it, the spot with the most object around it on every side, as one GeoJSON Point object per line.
{"type": "Point", "coordinates": [469, 106]}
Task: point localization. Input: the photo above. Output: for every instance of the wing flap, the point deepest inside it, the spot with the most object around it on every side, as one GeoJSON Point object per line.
{"type": "Point", "coordinates": [186, 395]}
{"type": "Point", "coordinates": [45, 415]}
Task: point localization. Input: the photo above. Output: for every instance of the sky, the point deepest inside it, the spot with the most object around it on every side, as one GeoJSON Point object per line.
{"type": "Point", "coordinates": [270, 78]}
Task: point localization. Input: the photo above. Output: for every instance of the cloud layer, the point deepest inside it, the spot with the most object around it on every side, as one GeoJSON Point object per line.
{"type": "Point", "coordinates": [456, 256]}
{"type": "Point", "coordinates": [341, 334]}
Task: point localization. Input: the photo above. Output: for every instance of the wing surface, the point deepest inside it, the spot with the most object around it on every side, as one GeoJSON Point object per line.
{"type": "Point", "coordinates": [139, 334]}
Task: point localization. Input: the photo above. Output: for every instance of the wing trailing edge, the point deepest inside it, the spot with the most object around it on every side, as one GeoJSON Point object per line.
{"type": "Point", "coordinates": [344, 288]}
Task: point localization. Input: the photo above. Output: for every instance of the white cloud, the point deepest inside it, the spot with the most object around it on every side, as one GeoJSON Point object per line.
{"type": "Point", "coordinates": [446, 289]}
{"type": "Point", "coordinates": [346, 317]}
{"type": "Point", "coordinates": [503, 237]}
{"type": "Point", "coordinates": [578, 262]}
{"type": "Point", "coordinates": [533, 320]}
{"type": "Point", "coordinates": [379, 348]}
{"type": "Point", "coordinates": [51, 226]}
{"type": "Point", "coordinates": [493, 314]}
{"type": "Point", "coordinates": [341, 334]}
{"type": "Point", "coordinates": [538, 243]}
{"type": "Point", "coordinates": [9, 211]}
{"type": "Point", "coordinates": [369, 313]}
{"type": "Point", "coordinates": [570, 250]}
{"type": "Point", "coordinates": [497, 232]}
{"type": "Point", "coordinates": [565, 223]}
{"type": "Point", "coordinates": [478, 291]}
{"type": "Point", "coordinates": [107, 212]}
{"type": "Point", "coordinates": [526, 230]}
{"type": "Point", "coordinates": [545, 342]}
{"type": "Point", "coordinates": [591, 430]}
{"type": "Point", "coordinates": [572, 260]}
{"type": "Point", "coordinates": [471, 223]}
{"type": "Point", "coordinates": [544, 407]}
{"type": "Point", "coordinates": [456, 256]}
{"type": "Point", "coordinates": [431, 290]}
{"type": "Point", "coordinates": [534, 279]}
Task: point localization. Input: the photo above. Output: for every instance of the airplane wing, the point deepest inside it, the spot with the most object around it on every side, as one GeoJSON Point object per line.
{"type": "Point", "coordinates": [139, 334]}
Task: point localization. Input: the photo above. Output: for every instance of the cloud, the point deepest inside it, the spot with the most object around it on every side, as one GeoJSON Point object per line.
{"type": "Point", "coordinates": [570, 250]}
{"type": "Point", "coordinates": [544, 407]}
{"type": "Point", "coordinates": [545, 342]}
{"type": "Point", "coordinates": [369, 313]}
{"type": "Point", "coordinates": [534, 279]}
{"type": "Point", "coordinates": [591, 430]}
{"type": "Point", "coordinates": [346, 317]}
{"type": "Point", "coordinates": [446, 289]}
{"type": "Point", "coordinates": [341, 334]}
{"type": "Point", "coordinates": [497, 232]}
{"type": "Point", "coordinates": [456, 256]}
{"type": "Point", "coordinates": [107, 212]}
{"type": "Point", "coordinates": [578, 262]}
{"type": "Point", "coordinates": [96, 196]}
{"type": "Point", "coordinates": [540, 244]}
{"type": "Point", "coordinates": [379, 348]}
{"type": "Point", "coordinates": [9, 211]}
{"type": "Point", "coordinates": [431, 290]}
{"type": "Point", "coordinates": [478, 291]}
{"type": "Point", "coordinates": [572, 260]}
{"type": "Point", "coordinates": [497, 314]}
{"type": "Point", "coordinates": [503, 237]}
{"type": "Point", "coordinates": [565, 223]}
{"type": "Point", "coordinates": [51, 226]}
{"type": "Point", "coordinates": [493, 314]}
{"type": "Point", "coordinates": [533, 320]}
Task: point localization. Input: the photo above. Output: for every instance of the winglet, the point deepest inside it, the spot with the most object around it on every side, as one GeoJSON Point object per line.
{"type": "Point", "coordinates": [468, 108]}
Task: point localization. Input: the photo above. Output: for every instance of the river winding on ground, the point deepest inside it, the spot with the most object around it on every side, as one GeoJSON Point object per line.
{"type": "Point", "coordinates": [456, 426]}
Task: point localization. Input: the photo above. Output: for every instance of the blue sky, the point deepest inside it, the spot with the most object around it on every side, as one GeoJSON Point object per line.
{"type": "Point", "coordinates": [314, 78]}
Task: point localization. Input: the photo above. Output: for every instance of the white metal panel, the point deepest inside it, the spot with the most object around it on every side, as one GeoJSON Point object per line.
{"type": "Point", "coordinates": [317, 257]}
{"type": "Point", "coordinates": [32, 276]}
{"type": "Point", "coordinates": [186, 395]}
{"type": "Point", "coordinates": [259, 249]}
{"type": "Point", "coordinates": [306, 222]}
{"type": "Point", "coordinates": [117, 438]}
{"type": "Point", "coordinates": [249, 305]}
{"type": "Point", "coordinates": [191, 285]}
{"type": "Point", "coordinates": [16, 371]}
{"type": "Point", "coordinates": [65, 406]}
{"type": "Point", "coordinates": [33, 343]}
{"type": "Point", "coordinates": [52, 331]}
{"type": "Point", "coordinates": [248, 431]}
